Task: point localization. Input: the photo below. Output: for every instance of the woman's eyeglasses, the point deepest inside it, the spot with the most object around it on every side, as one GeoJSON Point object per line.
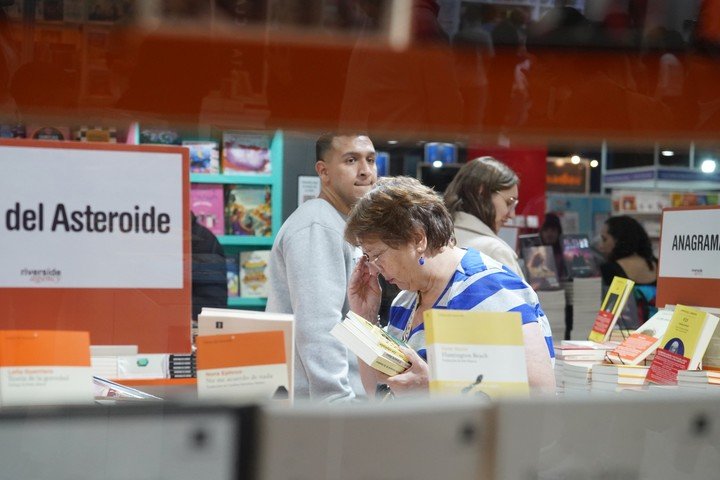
{"type": "Point", "coordinates": [376, 258]}
{"type": "Point", "coordinates": [511, 202]}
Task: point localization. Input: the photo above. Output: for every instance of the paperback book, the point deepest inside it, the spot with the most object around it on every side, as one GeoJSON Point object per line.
{"type": "Point", "coordinates": [611, 309]}
{"type": "Point", "coordinates": [253, 273]}
{"type": "Point", "coordinates": [540, 266]}
{"type": "Point", "coordinates": [42, 132]}
{"type": "Point", "coordinates": [642, 342]}
{"type": "Point", "coordinates": [683, 345]}
{"type": "Point", "coordinates": [579, 258]}
{"type": "Point", "coordinates": [371, 344]}
{"type": "Point", "coordinates": [242, 365]}
{"type": "Point", "coordinates": [475, 353]}
{"type": "Point", "coordinates": [233, 276]}
{"type": "Point", "coordinates": [248, 210]}
{"type": "Point", "coordinates": [245, 153]}
{"type": "Point", "coordinates": [204, 156]}
{"type": "Point", "coordinates": [206, 202]}
{"type": "Point", "coordinates": [222, 321]}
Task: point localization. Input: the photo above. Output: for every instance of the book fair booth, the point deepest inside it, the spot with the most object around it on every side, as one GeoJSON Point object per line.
{"type": "Point", "coordinates": [126, 126]}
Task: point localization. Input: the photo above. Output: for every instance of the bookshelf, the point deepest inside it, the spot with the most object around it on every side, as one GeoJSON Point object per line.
{"type": "Point", "coordinates": [234, 244]}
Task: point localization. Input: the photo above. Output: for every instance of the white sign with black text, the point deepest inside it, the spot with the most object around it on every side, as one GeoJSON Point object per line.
{"type": "Point", "coordinates": [690, 244]}
{"type": "Point", "coordinates": [82, 218]}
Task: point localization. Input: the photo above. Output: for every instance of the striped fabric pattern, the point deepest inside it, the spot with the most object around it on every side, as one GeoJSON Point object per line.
{"type": "Point", "coordinates": [479, 283]}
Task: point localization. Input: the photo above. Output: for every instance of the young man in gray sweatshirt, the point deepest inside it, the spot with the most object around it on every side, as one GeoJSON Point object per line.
{"type": "Point", "coordinates": [310, 265]}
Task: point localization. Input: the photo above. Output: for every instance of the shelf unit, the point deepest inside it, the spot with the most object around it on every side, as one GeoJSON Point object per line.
{"type": "Point", "coordinates": [233, 244]}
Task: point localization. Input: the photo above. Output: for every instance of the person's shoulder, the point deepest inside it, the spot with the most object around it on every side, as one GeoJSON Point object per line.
{"type": "Point", "coordinates": [314, 212]}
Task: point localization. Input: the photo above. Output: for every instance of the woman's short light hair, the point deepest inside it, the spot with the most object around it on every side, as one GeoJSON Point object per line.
{"type": "Point", "coordinates": [396, 210]}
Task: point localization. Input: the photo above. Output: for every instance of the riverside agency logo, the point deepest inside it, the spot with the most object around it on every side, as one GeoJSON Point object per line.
{"type": "Point", "coordinates": [43, 275]}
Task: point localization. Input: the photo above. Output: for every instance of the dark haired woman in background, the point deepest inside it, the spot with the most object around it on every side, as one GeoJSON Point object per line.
{"type": "Point", "coordinates": [629, 253]}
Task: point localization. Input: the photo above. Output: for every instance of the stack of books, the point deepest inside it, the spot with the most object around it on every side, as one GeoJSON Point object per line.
{"type": "Point", "coordinates": [699, 379]}
{"type": "Point", "coordinates": [586, 296]}
{"type": "Point", "coordinates": [616, 378]}
{"type": "Point", "coordinates": [553, 304]}
{"type": "Point", "coordinates": [182, 365]}
{"type": "Point", "coordinates": [576, 377]}
{"type": "Point", "coordinates": [371, 344]}
{"type": "Point", "coordinates": [578, 356]}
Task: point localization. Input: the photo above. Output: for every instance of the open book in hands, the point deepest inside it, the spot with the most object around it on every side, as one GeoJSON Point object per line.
{"type": "Point", "coordinates": [371, 344]}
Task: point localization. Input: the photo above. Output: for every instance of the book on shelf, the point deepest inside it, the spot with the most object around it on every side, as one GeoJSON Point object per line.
{"type": "Point", "coordinates": [248, 210]}
{"type": "Point", "coordinates": [643, 341]}
{"type": "Point", "coordinates": [253, 273]}
{"type": "Point", "coordinates": [204, 156]}
{"type": "Point", "coordinates": [245, 153]}
{"type": "Point", "coordinates": [683, 344]}
{"type": "Point", "coordinates": [45, 367]}
{"type": "Point", "coordinates": [160, 136]}
{"type": "Point", "coordinates": [371, 344]}
{"type": "Point", "coordinates": [472, 352]}
{"type": "Point", "coordinates": [578, 256]}
{"type": "Point", "coordinates": [46, 132]}
{"type": "Point", "coordinates": [610, 309]}
{"type": "Point", "coordinates": [528, 240]}
{"type": "Point", "coordinates": [221, 321]}
{"type": "Point", "coordinates": [233, 276]}
{"type": "Point", "coordinates": [540, 266]}
{"type": "Point", "coordinates": [206, 203]}
{"type": "Point", "coordinates": [242, 365]}
{"type": "Point", "coordinates": [101, 134]}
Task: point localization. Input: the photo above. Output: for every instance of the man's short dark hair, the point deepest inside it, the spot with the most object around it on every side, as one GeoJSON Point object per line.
{"type": "Point", "coordinates": [324, 142]}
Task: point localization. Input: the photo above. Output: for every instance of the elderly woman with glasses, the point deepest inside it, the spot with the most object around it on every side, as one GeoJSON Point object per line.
{"type": "Point", "coordinates": [481, 199]}
{"type": "Point", "coordinates": [406, 234]}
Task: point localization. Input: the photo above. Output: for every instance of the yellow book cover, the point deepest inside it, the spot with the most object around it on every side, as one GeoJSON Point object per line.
{"type": "Point", "coordinates": [471, 352]}
{"type": "Point", "coordinates": [610, 309]}
{"type": "Point", "coordinates": [683, 345]}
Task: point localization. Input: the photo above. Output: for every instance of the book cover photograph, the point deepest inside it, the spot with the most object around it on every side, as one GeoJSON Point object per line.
{"type": "Point", "coordinates": [611, 309]}
{"type": "Point", "coordinates": [540, 266]}
{"type": "Point", "coordinates": [475, 353]}
{"type": "Point", "coordinates": [253, 273]}
{"type": "Point", "coordinates": [579, 257]}
{"type": "Point", "coordinates": [248, 210]}
{"type": "Point", "coordinates": [206, 202]}
{"type": "Point", "coordinates": [245, 153]}
{"type": "Point", "coordinates": [683, 344]}
{"type": "Point", "coordinates": [204, 156]}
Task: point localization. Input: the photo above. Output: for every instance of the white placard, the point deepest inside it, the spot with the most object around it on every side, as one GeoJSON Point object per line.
{"type": "Point", "coordinates": [78, 218]}
{"type": "Point", "coordinates": [690, 246]}
{"type": "Point", "coordinates": [308, 188]}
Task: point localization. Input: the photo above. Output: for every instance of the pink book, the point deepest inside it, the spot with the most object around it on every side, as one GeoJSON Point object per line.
{"type": "Point", "coordinates": [207, 203]}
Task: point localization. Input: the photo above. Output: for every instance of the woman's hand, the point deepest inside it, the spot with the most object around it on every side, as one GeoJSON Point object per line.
{"type": "Point", "coordinates": [364, 292]}
{"type": "Point", "coordinates": [412, 381]}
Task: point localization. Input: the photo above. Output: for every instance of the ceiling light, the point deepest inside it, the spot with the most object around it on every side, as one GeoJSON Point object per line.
{"type": "Point", "coordinates": [437, 164]}
{"type": "Point", "coordinates": [667, 153]}
{"type": "Point", "coordinates": [708, 166]}
{"type": "Point", "coordinates": [575, 159]}
{"type": "Point", "coordinates": [594, 163]}
{"type": "Point", "coordinates": [392, 142]}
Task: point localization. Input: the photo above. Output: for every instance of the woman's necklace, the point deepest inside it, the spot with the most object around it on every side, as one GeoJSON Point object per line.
{"type": "Point", "coordinates": [408, 326]}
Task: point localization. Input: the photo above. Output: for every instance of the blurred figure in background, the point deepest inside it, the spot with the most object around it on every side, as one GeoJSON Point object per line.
{"type": "Point", "coordinates": [629, 254]}
{"type": "Point", "coordinates": [481, 199]}
{"type": "Point", "coordinates": [550, 235]}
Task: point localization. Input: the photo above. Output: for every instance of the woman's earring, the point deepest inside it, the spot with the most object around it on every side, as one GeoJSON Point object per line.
{"type": "Point", "coordinates": [421, 260]}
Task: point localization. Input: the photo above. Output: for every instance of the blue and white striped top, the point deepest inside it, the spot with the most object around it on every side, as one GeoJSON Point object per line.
{"type": "Point", "coordinates": [479, 283]}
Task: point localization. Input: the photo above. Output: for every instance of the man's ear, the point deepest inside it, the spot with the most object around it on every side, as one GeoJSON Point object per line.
{"type": "Point", "coordinates": [322, 170]}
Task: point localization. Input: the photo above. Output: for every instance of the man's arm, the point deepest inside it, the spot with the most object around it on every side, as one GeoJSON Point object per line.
{"type": "Point", "coordinates": [317, 280]}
